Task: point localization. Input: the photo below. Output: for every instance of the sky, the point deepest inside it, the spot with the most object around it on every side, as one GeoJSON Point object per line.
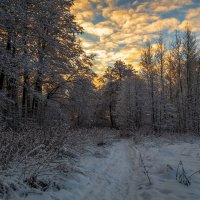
{"type": "Point", "coordinates": [117, 29]}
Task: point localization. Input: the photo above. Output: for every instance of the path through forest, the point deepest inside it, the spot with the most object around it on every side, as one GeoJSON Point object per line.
{"type": "Point", "coordinates": [115, 172]}
{"type": "Point", "coordinates": [107, 174]}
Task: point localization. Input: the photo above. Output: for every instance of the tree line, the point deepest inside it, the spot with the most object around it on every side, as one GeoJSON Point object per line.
{"type": "Point", "coordinates": [164, 94]}
{"type": "Point", "coordinates": [46, 77]}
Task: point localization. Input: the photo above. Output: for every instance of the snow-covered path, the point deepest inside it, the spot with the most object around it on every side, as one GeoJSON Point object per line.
{"type": "Point", "coordinates": [115, 172]}
{"type": "Point", "coordinates": [106, 173]}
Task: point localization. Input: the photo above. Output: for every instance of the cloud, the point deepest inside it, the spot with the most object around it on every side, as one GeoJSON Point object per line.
{"type": "Point", "coordinates": [87, 44]}
{"type": "Point", "coordinates": [171, 24]}
{"type": "Point", "coordinates": [192, 19]}
{"type": "Point", "coordinates": [121, 31]}
{"type": "Point", "coordinates": [85, 9]}
{"type": "Point", "coordinates": [97, 29]}
{"type": "Point", "coordinates": [162, 6]}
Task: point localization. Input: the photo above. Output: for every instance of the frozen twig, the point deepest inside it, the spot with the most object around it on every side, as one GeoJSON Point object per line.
{"type": "Point", "coordinates": [181, 174]}
{"type": "Point", "coordinates": [143, 165]}
{"type": "Point", "coordinates": [145, 170]}
{"type": "Point", "coordinates": [197, 172]}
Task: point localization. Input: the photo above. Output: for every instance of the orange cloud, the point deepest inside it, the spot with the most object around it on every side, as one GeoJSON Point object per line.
{"type": "Point", "coordinates": [122, 30]}
{"type": "Point", "coordinates": [192, 18]}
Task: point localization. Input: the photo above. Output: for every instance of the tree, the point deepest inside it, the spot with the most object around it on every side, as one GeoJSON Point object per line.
{"type": "Point", "coordinates": [40, 53]}
{"type": "Point", "coordinates": [81, 102]}
{"type": "Point", "coordinates": [130, 103]}
{"type": "Point", "coordinates": [160, 62]}
{"type": "Point", "coordinates": [148, 71]}
{"type": "Point", "coordinates": [114, 77]}
{"type": "Point", "coordinates": [189, 52]}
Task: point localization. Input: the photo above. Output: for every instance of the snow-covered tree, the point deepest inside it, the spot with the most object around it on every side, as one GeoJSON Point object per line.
{"type": "Point", "coordinates": [81, 102]}
{"type": "Point", "coordinates": [40, 54]}
{"type": "Point", "coordinates": [130, 103]}
{"type": "Point", "coordinates": [114, 77]}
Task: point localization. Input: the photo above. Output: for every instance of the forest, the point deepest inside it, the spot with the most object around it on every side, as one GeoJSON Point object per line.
{"type": "Point", "coordinates": [47, 87]}
{"type": "Point", "coordinates": [46, 77]}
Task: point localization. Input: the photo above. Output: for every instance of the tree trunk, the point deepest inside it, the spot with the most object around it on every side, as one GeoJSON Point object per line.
{"type": "Point", "coordinates": [111, 116]}
{"type": "Point", "coordinates": [2, 76]}
{"type": "Point", "coordinates": [38, 90]}
{"type": "Point", "coordinates": [26, 96]}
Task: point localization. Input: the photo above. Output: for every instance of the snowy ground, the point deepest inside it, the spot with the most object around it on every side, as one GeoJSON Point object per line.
{"type": "Point", "coordinates": [161, 158]}
{"type": "Point", "coordinates": [115, 171]}
{"type": "Point", "coordinates": [106, 172]}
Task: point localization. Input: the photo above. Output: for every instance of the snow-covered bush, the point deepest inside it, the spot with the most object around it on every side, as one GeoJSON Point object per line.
{"type": "Point", "coordinates": [27, 154]}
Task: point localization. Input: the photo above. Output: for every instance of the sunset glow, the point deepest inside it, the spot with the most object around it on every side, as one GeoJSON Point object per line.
{"type": "Point", "coordinates": [117, 29]}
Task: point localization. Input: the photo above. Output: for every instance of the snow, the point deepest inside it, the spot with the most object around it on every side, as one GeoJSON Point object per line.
{"type": "Point", "coordinates": [107, 174]}
{"type": "Point", "coordinates": [115, 171]}
{"type": "Point", "coordinates": [161, 158]}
